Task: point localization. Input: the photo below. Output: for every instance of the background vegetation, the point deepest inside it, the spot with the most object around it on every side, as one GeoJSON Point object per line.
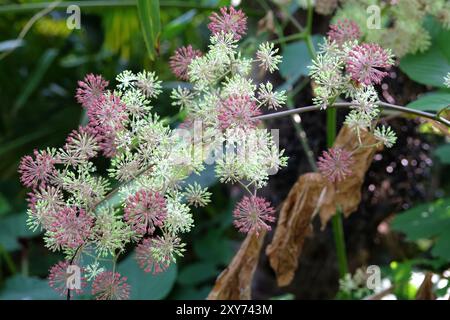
{"type": "Point", "coordinates": [38, 77]}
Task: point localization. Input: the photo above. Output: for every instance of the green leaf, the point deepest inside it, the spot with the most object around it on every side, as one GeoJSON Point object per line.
{"type": "Point", "coordinates": [433, 101]}
{"type": "Point", "coordinates": [427, 221]}
{"type": "Point", "coordinates": [197, 273]}
{"type": "Point", "coordinates": [190, 293]}
{"type": "Point", "coordinates": [42, 65]}
{"type": "Point", "coordinates": [431, 66]}
{"type": "Point", "coordinates": [427, 68]}
{"type": "Point", "coordinates": [148, 12]}
{"type": "Point", "coordinates": [147, 286]}
{"type": "Point", "coordinates": [13, 227]}
{"type": "Point", "coordinates": [27, 288]}
{"type": "Point", "coordinates": [443, 153]}
{"type": "Point", "coordinates": [176, 26]}
{"type": "Point", "coordinates": [4, 205]}
{"type": "Point", "coordinates": [214, 248]}
{"type": "Point", "coordinates": [296, 59]}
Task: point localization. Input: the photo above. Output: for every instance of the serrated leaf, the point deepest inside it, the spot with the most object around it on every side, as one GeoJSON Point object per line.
{"type": "Point", "coordinates": [149, 17]}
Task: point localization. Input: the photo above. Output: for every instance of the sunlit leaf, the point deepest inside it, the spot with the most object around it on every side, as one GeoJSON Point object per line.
{"type": "Point", "coordinates": [148, 12]}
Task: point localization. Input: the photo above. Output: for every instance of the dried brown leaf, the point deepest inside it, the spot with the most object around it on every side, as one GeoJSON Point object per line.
{"type": "Point", "coordinates": [267, 24]}
{"type": "Point", "coordinates": [234, 283]}
{"type": "Point", "coordinates": [425, 291]}
{"type": "Point", "coordinates": [312, 193]}
{"type": "Point", "coordinates": [294, 225]}
{"type": "Point", "coordinates": [347, 194]}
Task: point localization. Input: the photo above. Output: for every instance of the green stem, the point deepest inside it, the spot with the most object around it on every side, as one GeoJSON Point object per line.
{"type": "Point", "coordinates": [338, 232]}
{"type": "Point", "coordinates": [296, 36]}
{"type": "Point", "coordinates": [331, 126]}
{"type": "Point", "coordinates": [308, 31]}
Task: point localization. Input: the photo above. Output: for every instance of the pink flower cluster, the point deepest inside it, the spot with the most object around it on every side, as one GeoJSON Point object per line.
{"type": "Point", "coordinates": [144, 211]}
{"type": "Point", "coordinates": [252, 214]}
{"type": "Point", "coordinates": [335, 164]}
{"type": "Point", "coordinates": [110, 285]}
{"type": "Point", "coordinates": [229, 20]}
{"type": "Point", "coordinates": [343, 31]}
{"type": "Point", "coordinates": [238, 112]}
{"type": "Point", "coordinates": [58, 277]}
{"type": "Point", "coordinates": [180, 61]}
{"type": "Point", "coordinates": [106, 112]}
{"type": "Point", "coordinates": [365, 61]}
{"type": "Point", "coordinates": [145, 257]}
{"type": "Point", "coordinates": [37, 171]}
{"type": "Point", "coordinates": [71, 227]}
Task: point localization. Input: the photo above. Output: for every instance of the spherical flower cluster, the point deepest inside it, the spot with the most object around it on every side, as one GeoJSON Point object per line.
{"type": "Point", "coordinates": [343, 31]}
{"type": "Point", "coordinates": [38, 171]}
{"type": "Point", "coordinates": [229, 20]}
{"type": "Point", "coordinates": [144, 211]}
{"type": "Point", "coordinates": [335, 164]}
{"type": "Point", "coordinates": [365, 61]}
{"type": "Point", "coordinates": [107, 114]}
{"type": "Point", "coordinates": [89, 90]}
{"type": "Point", "coordinates": [155, 254]}
{"type": "Point", "coordinates": [238, 112]}
{"type": "Point", "coordinates": [71, 227]}
{"type": "Point", "coordinates": [267, 57]}
{"type": "Point", "coordinates": [82, 144]}
{"type": "Point", "coordinates": [180, 61]}
{"type": "Point", "coordinates": [110, 286]}
{"type": "Point", "coordinates": [59, 276]}
{"type": "Point", "coordinates": [252, 214]}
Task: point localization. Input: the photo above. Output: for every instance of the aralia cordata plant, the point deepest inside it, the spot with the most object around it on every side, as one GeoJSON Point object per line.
{"type": "Point", "coordinates": [143, 198]}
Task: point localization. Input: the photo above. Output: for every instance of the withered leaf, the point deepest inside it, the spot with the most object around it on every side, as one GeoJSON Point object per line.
{"type": "Point", "coordinates": [293, 226]}
{"type": "Point", "coordinates": [425, 291]}
{"type": "Point", "coordinates": [234, 283]}
{"type": "Point", "coordinates": [266, 24]}
{"type": "Point", "coordinates": [347, 194]}
{"type": "Point", "coordinates": [312, 193]}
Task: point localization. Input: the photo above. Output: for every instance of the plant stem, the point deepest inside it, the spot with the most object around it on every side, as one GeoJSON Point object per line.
{"type": "Point", "coordinates": [338, 233]}
{"type": "Point", "coordinates": [383, 105]}
{"type": "Point", "coordinates": [331, 126]}
{"type": "Point", "coordinates": [296, 36]}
